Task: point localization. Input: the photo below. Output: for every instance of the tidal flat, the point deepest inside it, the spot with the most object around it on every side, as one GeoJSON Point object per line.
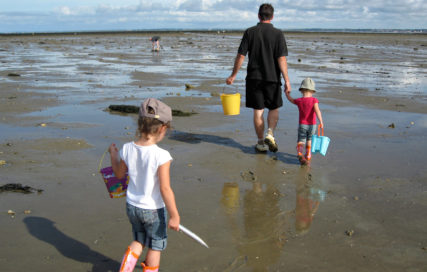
{"type": "Point", "coordinates": [359, 208]}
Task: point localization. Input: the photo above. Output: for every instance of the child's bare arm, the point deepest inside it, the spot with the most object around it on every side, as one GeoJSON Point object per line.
{"type": "Point", "coordinates": [168, 195]}
{"type": "Point", "coordinates": [289, 97]}
{"type": "Point", "coordinates": [118, 165]}
{"type": "Point", "coordinates": [318, 113]}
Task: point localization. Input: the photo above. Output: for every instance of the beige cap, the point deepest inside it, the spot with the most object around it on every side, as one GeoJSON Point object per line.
{"type": "Point", "coordinates": [160, 110]}
{"type": "Point", "coordinates": [308, 84]}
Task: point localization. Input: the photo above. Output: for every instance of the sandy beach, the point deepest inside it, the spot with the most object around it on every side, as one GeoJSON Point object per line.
{"type": "Point", "coordinates": [359, 208]}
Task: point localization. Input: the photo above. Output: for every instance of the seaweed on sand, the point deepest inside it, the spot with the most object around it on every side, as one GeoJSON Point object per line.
{"type": "Point", "coordinates": [18, 188]}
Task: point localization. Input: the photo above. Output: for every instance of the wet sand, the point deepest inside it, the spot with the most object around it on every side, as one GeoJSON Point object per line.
{"type": "Point", "coordinates": [359, 208]}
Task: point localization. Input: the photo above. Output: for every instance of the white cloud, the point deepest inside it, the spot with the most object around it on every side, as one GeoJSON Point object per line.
{"type": "Point", "coordinates": [65, 10]}
{"type": "Point", "coordinates": [61, 15]}
{"type": "Point", "coordinates": [74, 11]}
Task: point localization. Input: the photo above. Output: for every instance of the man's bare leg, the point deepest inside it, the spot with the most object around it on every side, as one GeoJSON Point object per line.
{"type": "Point", "coordinates": [272, 120]}
{"type": "Point", "coordinates": [259, 130]}
{"type": "Point", "coordinates": [259, 123]}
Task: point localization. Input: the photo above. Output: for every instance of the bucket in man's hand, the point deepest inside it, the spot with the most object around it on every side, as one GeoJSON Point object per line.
{"type": "Point", "coordinates": [115, 187]}
{"type": "Point", "coordinates": [319, 143]}
{"type": "Point", "coordinates": [231, 103]}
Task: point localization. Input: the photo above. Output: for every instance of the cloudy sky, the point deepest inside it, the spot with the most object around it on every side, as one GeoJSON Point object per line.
{"type": "Point", "coordinates": [94, 15]}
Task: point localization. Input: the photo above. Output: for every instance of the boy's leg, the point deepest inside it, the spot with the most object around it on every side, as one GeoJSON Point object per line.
{"type": "Point", "coordinates": [300, 149]}
{"type": "Point", "coordinates": [302, 139]}
{"type": "Point", "coordinates": [308, 150]}
{"type": "Point", "coordinates": [131, 257]}
{"type": "Point", "coordinates": [152, 261]}
{"type": "Point", "coordinates": [311, 131]}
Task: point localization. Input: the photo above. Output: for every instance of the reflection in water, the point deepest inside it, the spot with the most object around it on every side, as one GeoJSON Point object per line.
{"type": "Point", "coordinates": [263, 237]}
{"type": "Point", "coordinates": [230, 197]}
{"type": "Point", "coordinates": [155, 58]}
{"type": "Point", "coordinates": [264, 231]}
{"type": "Point", "coordinates": [308, 198]}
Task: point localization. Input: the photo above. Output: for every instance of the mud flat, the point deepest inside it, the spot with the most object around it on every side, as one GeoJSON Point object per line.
{"type": "Point", "coordinates": [359, 208]}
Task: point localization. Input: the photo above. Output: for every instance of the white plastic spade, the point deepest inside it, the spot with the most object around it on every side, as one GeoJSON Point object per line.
{"type": "Point", "coordinates": [192, 235]}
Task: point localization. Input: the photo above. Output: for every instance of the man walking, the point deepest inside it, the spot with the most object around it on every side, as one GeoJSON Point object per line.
{"type": "Point", "coordinates": [266, 46]}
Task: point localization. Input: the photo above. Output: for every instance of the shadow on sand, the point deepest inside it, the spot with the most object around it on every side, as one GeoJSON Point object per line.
{"type": "Point", "coordinates": [45, 230]}
{"type": "Point", "coordinates": [197, 138]}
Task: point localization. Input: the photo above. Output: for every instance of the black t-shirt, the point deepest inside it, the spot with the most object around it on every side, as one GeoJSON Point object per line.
{"type": "Point", "coordinates": [265, 45]}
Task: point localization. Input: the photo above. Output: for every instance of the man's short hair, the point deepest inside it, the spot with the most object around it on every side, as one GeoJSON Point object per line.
{"type": "Point", "coordinates": [266, 12]}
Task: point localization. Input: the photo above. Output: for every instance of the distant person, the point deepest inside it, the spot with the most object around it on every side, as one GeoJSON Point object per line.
{"type": "Point", "coordinates": [267, 50]}
{"type": "Point", "coordinates": [155, 43]}
{"type": "Point", "coordinates": [308, 107]}
{"type": "Point", "coordinates": [149, 189]}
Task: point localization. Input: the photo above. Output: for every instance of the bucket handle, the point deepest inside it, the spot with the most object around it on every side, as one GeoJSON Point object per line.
{"type": "Point", "coordinates": [236, 91]}
{"type": "Point", "coordinates": [318, 130]}
{"type": "Point", "coordinates": [102, 158]}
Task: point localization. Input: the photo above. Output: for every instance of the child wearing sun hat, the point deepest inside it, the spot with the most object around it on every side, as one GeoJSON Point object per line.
{"type": "Point", "coordinates": [308, 107]}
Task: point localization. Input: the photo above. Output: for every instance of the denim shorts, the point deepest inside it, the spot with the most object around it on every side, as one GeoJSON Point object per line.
{"type": "Point", "coordinates": [148, 226]}
{"type": "Point", "coordinates": [305, 132]}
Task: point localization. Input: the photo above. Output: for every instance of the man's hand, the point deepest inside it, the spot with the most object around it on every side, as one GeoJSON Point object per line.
{"type": "Point", "coordinates": [230, 80]}
{"type": "Point", "coordinates": [287, 87]}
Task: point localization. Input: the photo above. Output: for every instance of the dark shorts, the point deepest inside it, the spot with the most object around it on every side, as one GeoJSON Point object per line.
{"type": "Point", "coordinates": [261, 94]}
{"type": "Point", "coordinates": [148, 226]}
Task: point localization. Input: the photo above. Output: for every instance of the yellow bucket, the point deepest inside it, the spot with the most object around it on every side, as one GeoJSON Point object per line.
{"type": "Point", "coordinates": [231, 103]}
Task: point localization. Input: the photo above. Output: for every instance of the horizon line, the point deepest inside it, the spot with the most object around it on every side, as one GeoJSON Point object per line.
{"type": "Point", "coordinates": [221, 30]}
